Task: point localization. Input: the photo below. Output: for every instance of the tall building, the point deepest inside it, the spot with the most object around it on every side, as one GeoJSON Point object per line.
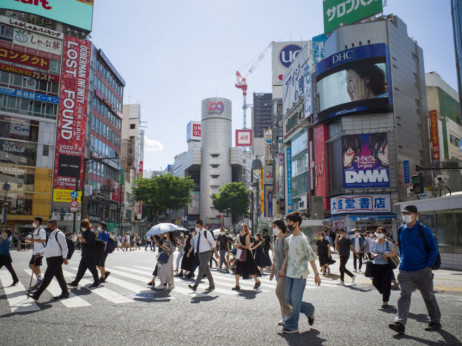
{"type": "Point", "coordinates": [262, 114]}
{"type": "Point", "coordinates": [456, 12]}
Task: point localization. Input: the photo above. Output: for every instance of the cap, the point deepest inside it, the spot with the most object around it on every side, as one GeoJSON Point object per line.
{"type": "Point", "coordinates": [409, 209]}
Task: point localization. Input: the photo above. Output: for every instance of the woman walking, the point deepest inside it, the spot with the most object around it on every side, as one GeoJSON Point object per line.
{"type": "Point", "coordinates": [5, 257]}
{"type": "Point", "coordinates": [261, 258]}
{"type": "Point", "coordinates": [155, 240]}
{"type": "Point", "coordinates": [181, 243]}
{"type": "Point", "coordinates": [323, 253]}
{"type": "Point", "coordinates": [188, 260]}
{"type": "Point", "coordinates": [381, 270]}
{"type": "Point", "coordinates": [281, 247]}
{"type": "Point", "coordinates": [245, 265]}
{"type": "Point", "coordinates": [166, 268]}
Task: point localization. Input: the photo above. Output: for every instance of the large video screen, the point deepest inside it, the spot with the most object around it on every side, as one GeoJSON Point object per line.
{"type": "Point", "coordinates": [353, 81]}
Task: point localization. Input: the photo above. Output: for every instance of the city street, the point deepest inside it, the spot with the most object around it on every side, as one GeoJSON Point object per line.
{"type": "Point", "coordinates": [126, 312]}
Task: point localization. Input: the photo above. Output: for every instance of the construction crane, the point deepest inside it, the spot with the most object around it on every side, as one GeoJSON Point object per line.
{"type": "Point", "coordinates": [241, 82]}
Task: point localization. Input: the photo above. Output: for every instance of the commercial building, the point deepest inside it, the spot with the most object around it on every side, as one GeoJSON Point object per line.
{"type": "Point", "coordinates": [262, 117]}
{"type": "Point", "coordinates": [456, 12]}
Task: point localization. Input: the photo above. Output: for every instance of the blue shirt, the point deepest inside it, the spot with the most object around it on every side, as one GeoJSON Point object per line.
{"type": "Point", "coordinates": [380, 249]}
{"type": "Point", "coordinates": [414, 256]}
{"type": "Point", "coordinates": [5, 247]}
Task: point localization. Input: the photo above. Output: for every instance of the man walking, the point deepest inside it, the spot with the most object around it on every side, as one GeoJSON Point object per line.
{"type": "Point", "coordinates": [204, 244]}
{"type": "Point", "coordinates": [104, 236]}
{"type": "Point", "coordinates": [358, 244]}
{"type": "Point", "coordinates": [343, 246]}
{"type": "Point", "coordinates": [39, 238]}
{"type": "Point", "coordinates": [56, 254]}
{"type": "Point", "coordinates": [223, 243]}
{"type": "Point", "coordinates": [295, 269]}
{"type": "Point", "coordinates": [418, 252]}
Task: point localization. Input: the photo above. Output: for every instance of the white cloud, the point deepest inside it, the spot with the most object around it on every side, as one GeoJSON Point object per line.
{"type": "Point", "coordinates": [152, 145]}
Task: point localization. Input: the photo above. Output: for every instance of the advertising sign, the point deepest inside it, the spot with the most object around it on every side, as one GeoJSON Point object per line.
{"type": "Point", "coordinates": [320, 136]}
{"type": "Point", "coordinates": [407, 173]}
{"type": "Point", "coordinates": [365, 161]}
{"type": "Point", "coordinates": [72, 116]}
{"type": "Point", "coordinates": [338, 12]}
{"type": "Point", "coordinates": [193, 131]}
{"type": "Point", "coordinates": [193, 207]}
{"type": "Point", "coordinates": [353, 81]}
{"type": "Point", "coordinates": [31, 27]}
{"type": "Point", "coordinates": [22, 58]}
{"type": "Point", "coordinates": [360, 204]}
{"type": "Point", "coordinates": [37, 41]}
{"type": "Point", "coordinates": [49, 77]}
{"type": "Point", "coordinates": [293, 82]}
{"type": "Point", "coordinates": [434, 135]}
{"type": "Point", "coordinates": [289, 179]}
{"type": "Point", "coordinates": [244, 138]}
{"type": "Point", "coordinates": [29, 95]}
{"type": "Point", "coordinates": [283, 54]}
{"type": "Point", "coordinates": [78, 13]}
{"type": "Point", "coordinates": [318, 43]}
{"type": "Point", "coordinates": [215, 108]}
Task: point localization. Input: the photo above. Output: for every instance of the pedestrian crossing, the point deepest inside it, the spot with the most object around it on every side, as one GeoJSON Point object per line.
{"type": "Point", "coordinates": [128, 285]}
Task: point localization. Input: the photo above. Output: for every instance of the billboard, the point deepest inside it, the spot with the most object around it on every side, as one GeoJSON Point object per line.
{"type": "Point", "coordinates": [194, 207]}
{"type": "Point", "coordinates": [72, 117]}
{"type": "Point", "coordinates": [355, 80]}
{"type": "Point", "coordinates": [362, 204]}
{"type": "Point", "coordinates": [293, 80]}
{"type": "Point", "coordinates": [289, 178]}
{"type": "Point", "coordinates": [29, 95]}
{"type": "Point", "coordinates": [365, 161]}
{"type": "Point", "coordinates": [193, 131]}
{"type": "Point", "coordinates": [37, 41]}
{"type": "Point", "coordinates": [338, 12]}
{"type": "Point", "coordinates": [78, 13]}
{"type": "Point", "coordinates": [320, 136]}
{"type": "Point", "coordinates": [434, 135]}
{"type": "Point", "coordinates": [49, 77]}
{"type": "Point", "coordinates": [22, 58]}
{"type": "Point", "coordinates": [283, 54]}
{"type": "Point", "coordinates": [244, 138]}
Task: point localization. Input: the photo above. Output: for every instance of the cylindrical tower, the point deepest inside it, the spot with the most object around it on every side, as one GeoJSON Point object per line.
{"type": "Point", "coordinates": [216, 147]}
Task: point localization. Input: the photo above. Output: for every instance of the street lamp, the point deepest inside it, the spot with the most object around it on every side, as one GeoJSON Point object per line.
{"type": "Point", "coordinates": [6, 187]}
{"type": "Point", "coordinates": [256, 171]}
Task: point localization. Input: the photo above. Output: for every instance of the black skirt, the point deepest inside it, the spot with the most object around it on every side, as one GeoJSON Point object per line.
{"type": "Point", "coordinates": [247, 268]}
{"type": "Point", "coordinates": [262, 259]}
{"type": "Point", "coordinates": [4, 259]}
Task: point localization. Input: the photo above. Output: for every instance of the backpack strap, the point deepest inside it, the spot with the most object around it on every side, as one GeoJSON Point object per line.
{"type": "Point", "coordinates": [422, 234]}
{"type": "Point", "coordinates": [399, 236]}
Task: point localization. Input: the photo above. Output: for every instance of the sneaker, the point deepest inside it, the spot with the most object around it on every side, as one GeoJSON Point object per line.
{"type": "Point", "coordinates": [193, 287]}
{"type": "Point", "coordinates": [38, 283]}
{"type": "Point", "coordinates": [397, 327]}
{"type": "Point", "coordinates": [289, 331]}
{"type": "Point", "coordinates": [211, 288]}
{"type": "Point", "coordinates": [355, 271]}
{"type": "Point", "coordinates": [171, 287]}
{"type": "Point", "coordinates": [258, 284]}
{"type": "Point", "coordinates": [360, 271]}
{"type": "Point", "coordinates": [432, 326]}
{"type": "Point", "coordinates": [341, 283]}
{"type": "Point", "coordinates": [353, 280]}
{"type": "Point", "coordinates": [311, 320]}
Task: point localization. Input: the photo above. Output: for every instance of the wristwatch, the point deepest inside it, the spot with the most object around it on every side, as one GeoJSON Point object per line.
{"type": "Point", "coordinates": [316, 274]}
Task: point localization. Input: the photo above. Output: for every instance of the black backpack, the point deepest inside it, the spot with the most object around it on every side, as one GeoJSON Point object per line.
{"type": "Point", "coordinates": [111, 245]}
{"type": "Point", "coordinates": [99, 248]}
{"type": "Point", "coordinates": [70, 245]}
{"type": "Point", "coordinates": [437, 264]}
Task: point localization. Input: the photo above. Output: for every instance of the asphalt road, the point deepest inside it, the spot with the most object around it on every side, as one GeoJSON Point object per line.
{"type": "Point", "coordinates": [126, 312]}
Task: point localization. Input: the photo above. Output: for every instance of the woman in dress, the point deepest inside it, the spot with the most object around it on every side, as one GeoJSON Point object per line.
{"type": "Point", "coordinates": [245, 265]}
{"type": "Point", "coordinates": [5, 257]}
{"type": "Point", "coordinates": [323, 253]}
{"type": "Point", "coordinates": [166, 269]}
{"type": "Point", "coordinates": [188, 259]}
{"type": "Point", "coordinates": [261, 259]}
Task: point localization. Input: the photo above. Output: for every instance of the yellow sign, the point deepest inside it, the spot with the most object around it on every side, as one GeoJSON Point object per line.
{"type": "Point", "coordinates": [60, 195]}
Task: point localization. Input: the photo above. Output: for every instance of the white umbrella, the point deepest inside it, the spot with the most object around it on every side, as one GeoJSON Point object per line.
{"type": "Point", "coordinates": [162, 228]}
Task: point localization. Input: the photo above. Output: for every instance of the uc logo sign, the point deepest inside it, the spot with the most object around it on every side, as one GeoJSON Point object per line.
{"type": "Point", "coordinates": [288, 53]}
{"type": "Point", "coordinates": [215, 107]}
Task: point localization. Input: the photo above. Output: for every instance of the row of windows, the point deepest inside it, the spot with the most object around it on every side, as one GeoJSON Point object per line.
{"type": "Point", "coordinates": [107, 93]}
{"type": "Point", "coordinates": [106, 113]}
{"type": "Point", "coordinates": [454, 140]}
{"type": "Point", "coordinates": [102, 148]}
{"type": "Point", "coordinates": [108, 75]}
{"type": "Point", "coordinates": [106, 214]}
{"type": "Point", "coordinates": [14, 80]}
{"type": "Point", "coordinates": [102, 170]}
{"type": "Point", "coordinates": [100, 127]}
{"type": "Point", "coordinates": [28, 107]}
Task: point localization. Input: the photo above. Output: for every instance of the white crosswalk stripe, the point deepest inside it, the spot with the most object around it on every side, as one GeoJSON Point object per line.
{"type": "Point", "coordinates": [16, 295]}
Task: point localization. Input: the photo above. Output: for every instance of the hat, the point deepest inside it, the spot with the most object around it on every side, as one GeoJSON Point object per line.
{"type": "Point", "coordinates": [409, 209]}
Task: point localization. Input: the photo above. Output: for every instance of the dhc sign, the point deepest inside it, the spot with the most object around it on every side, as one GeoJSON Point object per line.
{"type": "Point", "coordinates": [343, 56]}
{"type": "Point", "coordinates": [288, 53]}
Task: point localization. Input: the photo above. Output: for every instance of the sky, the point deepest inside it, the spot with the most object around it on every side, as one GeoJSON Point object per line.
{"type": "Point", "coordinates": [174, 54]}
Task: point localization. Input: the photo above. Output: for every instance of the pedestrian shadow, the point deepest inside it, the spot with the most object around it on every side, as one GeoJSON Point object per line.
{"type": "Point", "coordinates": [248, 294]}
{"type": "Point", "coordinates": [331, 277]}
{"type": "Point", "coordinates": [310, 337]}
{"type": "Point", "coordinates": [449, 339]}
{"type": "Point", "coordinates": [202, 298]}
{"type": "Point", "coordinates": [42, 306]}
{"type": "Point", "coordinates": [359, 289]}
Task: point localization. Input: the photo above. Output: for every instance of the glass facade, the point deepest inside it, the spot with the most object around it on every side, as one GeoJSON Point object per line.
{"type": "Point", "coordinates": [456, 11]}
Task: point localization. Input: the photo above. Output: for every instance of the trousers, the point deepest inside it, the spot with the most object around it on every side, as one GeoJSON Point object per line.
{"type": "Point", "coordinates": [286, 310]}
{"type": "Point", "coordinates": [90, 264]}
{"type": "Point", "coordinates": [343, 270]}
{"type": "Point", "coordinates": [6, 261]}
{"type": "Point", "coordinates": [381, 280]}
{"type": "Point", "coordinates": [54, 269]}
{"type": "Point", "coordinates": [223, 258]}
{"type": "Point", "coordinates": [204, 268]}
{"type": "Point", "coordinates": [294, 294]}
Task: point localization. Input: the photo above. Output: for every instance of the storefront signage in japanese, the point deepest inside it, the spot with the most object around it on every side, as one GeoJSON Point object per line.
{"type": "Point", "coordinates": [293, 80]}
{"type": "Point", "coordinates": [360, 204]}
{"type": "Point", "coordinates": [37, 41]}
{"type": "Point", "coordinates": [338, 12]}
{"type": "Point", "coordinates": [289, 179]}
{"type": "Point", "coordinates": [31, 27]}
{"type": "Point", "coordinates": [434, 135]}
{"type": "Point", "coordinates": [30, 73]}
{"type": "Point", "coordinates": [70, 136]}
{"type": "Point", "coordinates": [29, 95]}
{"type": "Point", "coordinates": [22, 58]}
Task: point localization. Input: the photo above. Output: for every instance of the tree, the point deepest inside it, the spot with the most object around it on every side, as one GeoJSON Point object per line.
{"type": "Point", "coordinates": [163, 192]}
{"type": "Point", "coordinates": [233, 200]}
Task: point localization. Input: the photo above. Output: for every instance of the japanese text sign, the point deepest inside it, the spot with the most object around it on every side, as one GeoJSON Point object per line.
{"type": "Point", "coordinates": [434, 135]}
{"type": "Point", "coordinates": [360, 204]}
{"type": "Point", "coordinates": [29, 95]}
{"type": "Point", "coordinates": [30, 73]}
{"type": "Point", "coordinates": [37, 41]}
{"type": "Point", "coordinates": [22, 58]}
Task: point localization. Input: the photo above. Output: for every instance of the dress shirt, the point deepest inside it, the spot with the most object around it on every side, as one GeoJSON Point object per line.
{"type": "Point", "coordinates": [206, 244]}
{"type": "Point", "coordinates": [53, 248]}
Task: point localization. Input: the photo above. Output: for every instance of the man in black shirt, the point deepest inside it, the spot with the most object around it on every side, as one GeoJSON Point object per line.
{"type": "Point", "coordinates": [343, 246]}
{"type": "Point", "coordinates": [267, 244]}
{"type": "Point", "coordinates": [223, 245]}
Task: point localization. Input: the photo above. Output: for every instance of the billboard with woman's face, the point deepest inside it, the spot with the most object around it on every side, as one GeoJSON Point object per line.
{"type": "Point", "coordinates": [353, 81]}
{"type": "Point", "coordinates": [365, 161]}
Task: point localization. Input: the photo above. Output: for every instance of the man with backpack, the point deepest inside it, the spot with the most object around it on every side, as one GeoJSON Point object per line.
{"type": "Point", "coordinates": [39, 238]}
{"type": "Point", "coordinates": [103, 236]}
{"type": "Point", "coordinates": [56, 253]}
{"type": "Point", "coordinates": [419, 252]}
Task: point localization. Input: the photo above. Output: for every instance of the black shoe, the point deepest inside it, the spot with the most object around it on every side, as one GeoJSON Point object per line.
{"type": "Point", "coordinates": [73, 283]}
{"type": "Point", "coordinates": [102, 281]}
{"type": "Point", "coordinates": [258, 284]}
{"type": "Point", "coordinates": [193, 287]}
{"type": "Point", "coordinates": [397, 327]}
{"type": "Point", "coordinates": [62, 296]}
{"type": "Point", "coordinates": [311, 320]}
{"type": "Point", "coordinates": [94, 285]}
{"type": "Point", "coordinates": [15, 282]}
{"type": "Point", "coordinates": [236, 288]}
{"type": "Point", "coordinates": [33, 296]}
{"type": "Point", "coordinates": [289, 331]}
{"type": "Point", "coordinates": [211, 288]}
{"type": "Point", "coordinates": [432, 326]}
{"type": "Point", "coordinates": [188, 276]}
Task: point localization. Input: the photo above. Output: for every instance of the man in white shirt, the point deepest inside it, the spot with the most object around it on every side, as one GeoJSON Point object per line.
{"type": "Point", "coordinates": [39, 238]}
{"type": "Point", "coordinates": [203, 245]}
{"type": "Point", "coordinates": [56, 254]}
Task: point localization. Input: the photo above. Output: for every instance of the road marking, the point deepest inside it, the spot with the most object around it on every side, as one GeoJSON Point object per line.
{"type": "Point", "coordinates": [72, 302]}
{"type": "Point", "coordinates": [16, 296]}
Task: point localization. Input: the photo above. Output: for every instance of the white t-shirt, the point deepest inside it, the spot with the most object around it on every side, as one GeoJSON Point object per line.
{"type": "Point", "coordinates": [127, 239]}
{"type": "Point", "coordinates": [39, 234]}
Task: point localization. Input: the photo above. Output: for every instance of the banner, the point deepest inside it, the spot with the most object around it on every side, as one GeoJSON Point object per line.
{"type": "Point", "coordinates": [72, 117]}
{"type": "Point", "coordinates": [31, 27]}
{"type": "Point", "coordinates": [29, 95]}
{"type": "Point", "coordinates": [365, 161]}
{"type": "Point", "coordinates": [244, 138]}
{"type": "Point", "coordinates": [49, 77]}
{"type": "Point", "coordinates": [434, 135]}
{"type": "Point", "coordinates": [289, 179]}
{"type": "Point", "coordinates": [22, 58]}
{"type": "Point", "coordinates": [360, 204]}
{"type": "Point", "coordinates": [36, 41]}
{"type": "Point", "coordinates": [293, 80]}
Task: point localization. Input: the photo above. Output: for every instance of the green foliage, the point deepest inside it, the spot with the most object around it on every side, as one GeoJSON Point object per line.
{"type": "Point", "coordinates": [233, 200]}
{"type": "Point", "coordinates": [162, 192]}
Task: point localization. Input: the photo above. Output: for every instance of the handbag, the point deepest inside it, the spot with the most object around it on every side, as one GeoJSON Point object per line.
{"type": "Point", "coordinates": [163, 258]}
{"type": "Point", "coordinates": [243, 257]}
{"type": "Point", "coordinates": [368, 272]}
{"type": "Point", "coordinates": [331, 261]}
{"type": "Point", "coordinates": [393, 261]}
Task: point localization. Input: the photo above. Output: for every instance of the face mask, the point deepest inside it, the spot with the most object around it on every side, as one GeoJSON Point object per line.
{"type": "Point", "coordinates": [276, 231]}
{"type": "Point", "coordinates": [198, 229]}
{"type": "Point", "coordinates": [34, 225]}
{"type": "Point", "coordinates": [83, 229]}
{"type": "Point", "coordinates": [407, 218]}
{"type": "Point", "coordinates": [291, 227]}
{"type": "Point", "coordinates": [379, 235]}
{"type": "Point", "coordinates": [181, 235]}
{"type": "Point", "coordinates": [100, 229]}
{"type": "Point", "coordinates": [356, 235]}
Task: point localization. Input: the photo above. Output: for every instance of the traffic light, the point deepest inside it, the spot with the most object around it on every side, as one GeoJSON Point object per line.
{"type": "Point", "coordinates": [417, 184]}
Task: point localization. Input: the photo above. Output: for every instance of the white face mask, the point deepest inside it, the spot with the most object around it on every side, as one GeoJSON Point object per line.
{"type": "Point", "coordinates": [407, 218]}
{"type": "Point", "coordinates": [275, 231]}
{"type": "Point", "coordinates": [379, 235]}
{"type": "Point", "coordinates": [222, 233]}
{"type": "Point", "coordinates": [83, 229]}
{"type": "Point", "coordinates": [34, 225]}
{"type": "Point", "coordinates": [100, 228]}
{"type": "Point", "coordinates": [198, 229]}
{"type": "Point", "coordinates": [356, 235]}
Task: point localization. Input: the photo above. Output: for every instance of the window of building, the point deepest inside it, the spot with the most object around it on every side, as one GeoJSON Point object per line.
{"type": "Point", "coordinates": [214, 166]}
{"type": "Point", "coordinates": [215, 155]}
{"type": "Point", "coordinates": [132, 126]}
{"type": "Point", "coordinates": [214, 176]}
{"type": "Point", "coordinates": [46, 150]}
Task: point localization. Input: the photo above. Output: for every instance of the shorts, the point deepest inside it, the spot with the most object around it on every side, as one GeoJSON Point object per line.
{"type": "Point", "coordinates": [37, 262]}
{"type": "Point", "coordinates": [102, 260]}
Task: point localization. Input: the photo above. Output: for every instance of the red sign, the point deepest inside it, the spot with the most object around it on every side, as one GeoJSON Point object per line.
{"type": "Point", "coordinates": [72, 117]}
{"type": "Point", "coordinates": [244, 138]}
{"type": "Point", "coordinates": [22, 58]}
{"type": "Point", "coordinates": [74, 204]}
{"type": "Point", "coordinates": [140, 168]}
{"type": "Point", "coordinates": [434, 135]}
{"type": "Point", "coordinates": [321, 135]}
{"type": "Point", "coordinates": [30, 73]}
